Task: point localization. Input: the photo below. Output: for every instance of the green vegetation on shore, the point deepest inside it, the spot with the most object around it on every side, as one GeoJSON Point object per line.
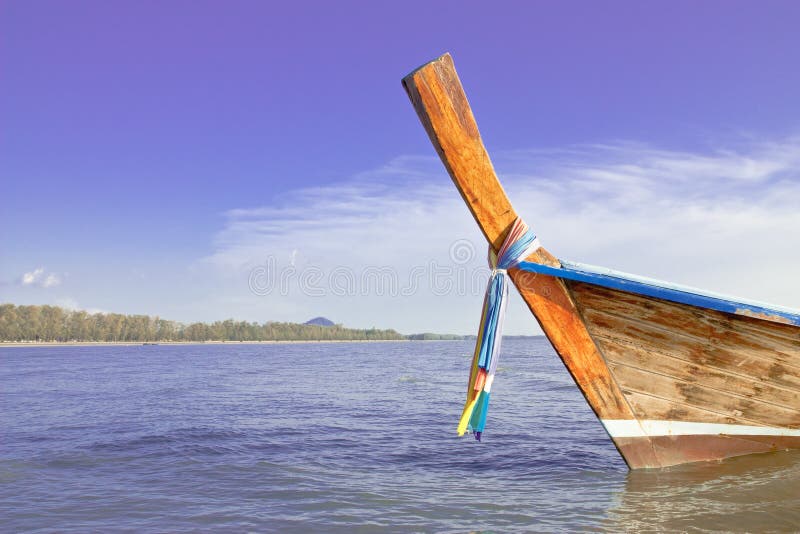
{"type": "Point", "coordinates": [427, 336]}
{"type": "Point", "coordinates": [51, 323]}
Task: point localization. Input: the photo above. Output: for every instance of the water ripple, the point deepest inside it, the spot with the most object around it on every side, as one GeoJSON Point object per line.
{"type": "Point", "coordinates": [286, 438]}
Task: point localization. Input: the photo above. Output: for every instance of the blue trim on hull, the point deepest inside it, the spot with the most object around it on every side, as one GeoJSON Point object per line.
{"type": "Point", "coordinates": [663, 290]}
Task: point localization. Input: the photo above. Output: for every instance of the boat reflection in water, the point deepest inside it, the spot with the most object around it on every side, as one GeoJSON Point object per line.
{"type": "Point", "coordinates": [750, 493]}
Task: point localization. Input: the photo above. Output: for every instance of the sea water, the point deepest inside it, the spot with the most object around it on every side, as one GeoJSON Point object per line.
{"type": "Point", "coordinates": [339, 437]}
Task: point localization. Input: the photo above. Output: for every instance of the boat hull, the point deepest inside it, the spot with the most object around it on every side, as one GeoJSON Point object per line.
{"type": "Point", "coordinates": [707, 384]}
{"type": "Point", "coordinates": [676, 450]}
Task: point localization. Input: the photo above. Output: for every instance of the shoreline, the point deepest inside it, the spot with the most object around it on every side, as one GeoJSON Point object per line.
{"type": "Point", "coordinates": [39, 344]}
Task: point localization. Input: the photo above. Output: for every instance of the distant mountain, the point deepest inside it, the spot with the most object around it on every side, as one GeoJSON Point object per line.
{"type": "Point", "coordinates": [321, 321]}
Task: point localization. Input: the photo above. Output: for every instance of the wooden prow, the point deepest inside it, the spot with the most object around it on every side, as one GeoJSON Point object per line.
{"type": "Point", "coordinates": [442, 106]}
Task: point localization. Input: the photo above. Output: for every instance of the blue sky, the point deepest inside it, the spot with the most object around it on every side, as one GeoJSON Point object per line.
{"type": "Point", "coordinates": [154, 156]}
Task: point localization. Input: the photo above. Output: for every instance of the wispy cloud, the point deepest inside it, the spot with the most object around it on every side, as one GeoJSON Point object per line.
{"type": "Point", "coordinates": [40, 278]}
{"type": "Point", "coordinates": [725, 219]}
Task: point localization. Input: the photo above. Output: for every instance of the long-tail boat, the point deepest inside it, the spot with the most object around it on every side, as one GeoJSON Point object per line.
{"type": "Point", "coordinates": [675, 374]}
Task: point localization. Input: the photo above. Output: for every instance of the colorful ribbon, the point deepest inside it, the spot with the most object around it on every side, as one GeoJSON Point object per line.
{"type": "Point", "coordinates": [518, 245]}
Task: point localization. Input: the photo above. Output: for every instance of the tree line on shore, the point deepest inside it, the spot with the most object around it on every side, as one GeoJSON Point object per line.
{"type": "Point", "coordinates": [52, 323]}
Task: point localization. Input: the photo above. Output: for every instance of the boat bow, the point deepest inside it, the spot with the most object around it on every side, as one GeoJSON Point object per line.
{"type": "Point", "coordinates": [675, 375]}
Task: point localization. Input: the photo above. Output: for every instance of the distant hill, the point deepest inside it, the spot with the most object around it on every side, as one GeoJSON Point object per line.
{"type": "Point", "coordinates": [320, 321]}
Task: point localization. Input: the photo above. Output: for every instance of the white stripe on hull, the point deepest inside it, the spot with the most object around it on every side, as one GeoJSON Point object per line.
{"type": "Point", "coordinates": [631, 428]}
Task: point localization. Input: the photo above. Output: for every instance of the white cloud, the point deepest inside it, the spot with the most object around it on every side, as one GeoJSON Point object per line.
{"type": "Point", "coordinates": [725, 220]}
{"type": "Point", "coordinates": [40, 278]}
{"type": "Point", "coordinates": [69, 303]}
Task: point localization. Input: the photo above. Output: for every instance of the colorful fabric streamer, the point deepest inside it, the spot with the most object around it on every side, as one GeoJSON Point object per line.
{"type": "Point", "coordinates": [519, 244]}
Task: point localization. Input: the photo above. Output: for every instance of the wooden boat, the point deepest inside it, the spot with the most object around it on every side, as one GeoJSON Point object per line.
{"type": "Point", "coordinates": [674, 374]}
